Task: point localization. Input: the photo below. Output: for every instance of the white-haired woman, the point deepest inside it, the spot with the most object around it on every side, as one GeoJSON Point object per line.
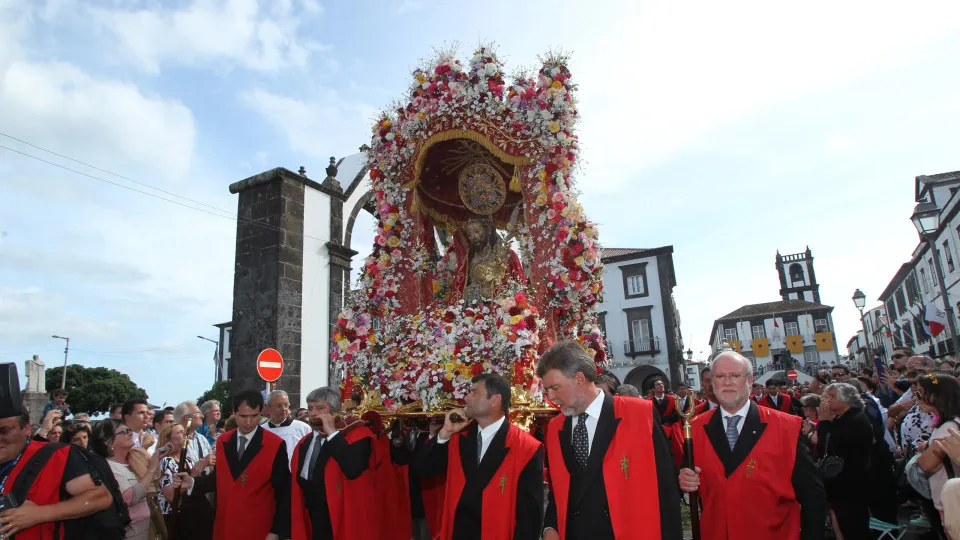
{"type": "Point", "coordinates": [211, 418]}
{"type": "Point", "coordinates": [844, 431]}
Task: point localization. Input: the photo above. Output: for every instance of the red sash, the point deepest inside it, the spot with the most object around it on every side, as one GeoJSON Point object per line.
{"type": "Point", "coordinates": [499, 496]}
{"type": "Point", "coordinates": [44, 490]}
{"type": "Point", "coordinates": [351, 503]}
{"type": "Point", "coordinates": [251, 490]}
{"type": "Point", "coordinates": [393, 494]}
{"type": "Point", "coordinates": [629, 471]}
{"type": "Point", "coordinates": [763, 478]}
{"type": "Point", "coordinates": [785, 403]}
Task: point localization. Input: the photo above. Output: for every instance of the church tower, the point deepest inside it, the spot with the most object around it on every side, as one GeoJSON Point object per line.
{"type": "Point", "coordinates": [797, 278]}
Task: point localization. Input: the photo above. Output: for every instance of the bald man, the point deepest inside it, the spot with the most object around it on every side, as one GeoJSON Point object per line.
{"type": "Point", "coordinates": [742, 454]}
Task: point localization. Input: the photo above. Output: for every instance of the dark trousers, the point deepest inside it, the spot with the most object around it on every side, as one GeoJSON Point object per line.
{"type": "Point", "coordinates": [853, 517]}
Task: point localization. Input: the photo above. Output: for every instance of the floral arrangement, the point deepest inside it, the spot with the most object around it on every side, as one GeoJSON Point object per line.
{"type": "Point", "coordinates": [413, 356]}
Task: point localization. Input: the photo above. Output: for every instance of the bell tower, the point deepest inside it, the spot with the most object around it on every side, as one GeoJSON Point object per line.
{"type": "Point", "coordinates": [797, 278]}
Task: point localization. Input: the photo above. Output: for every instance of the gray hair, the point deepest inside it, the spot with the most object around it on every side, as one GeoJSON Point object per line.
{"type": "Point", "coordinates": [628, 390]}
{"type": "Point", "coordinates": [207, 405]}
{"type": "Point", "coordinates": [846, 393]}
{"type": "Point", "coordinates": [736, 356]}
{"type": "Point", "coordinates": [183, 410]}
{"type": "Point", "coordinates": [276, 393]}
{"type": "Point", "coordinates": [811, 401]}
{"type": "Point", "coordinates": [328, 395]}
{"type": "Point", "coordinates": [570, 358]}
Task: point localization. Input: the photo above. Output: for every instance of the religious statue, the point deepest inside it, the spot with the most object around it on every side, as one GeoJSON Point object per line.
{"type": "Point", "coordinates": [36, 374]}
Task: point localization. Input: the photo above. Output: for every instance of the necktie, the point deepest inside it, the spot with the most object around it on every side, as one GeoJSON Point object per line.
{"type": "Point", "coordinates": [317, 445]}
{"type": "Point", "coordinates": [732, 433]}
{"type": "Point", "coordinates": [479, 446]}
{"type": "Point", "coordinates": [581, 444]}
{"type": "Point", "coordinates": [243, 446]}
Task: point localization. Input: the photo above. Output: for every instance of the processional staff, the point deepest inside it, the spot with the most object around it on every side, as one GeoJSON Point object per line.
{"type": "Point", "coordinates": [177, 494]}
{"type": "Point", "coordinates": [688, 463]}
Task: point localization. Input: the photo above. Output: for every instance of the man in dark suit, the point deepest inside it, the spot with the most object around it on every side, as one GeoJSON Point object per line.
{"type": "Point", "coordinates": [494, 469]}
{"type": "Point", "coordinates": [612, 469]}
{"type": "Point", "coordinates": [742, 449]}
{"type": "Point", "coordinates": [775, 399]}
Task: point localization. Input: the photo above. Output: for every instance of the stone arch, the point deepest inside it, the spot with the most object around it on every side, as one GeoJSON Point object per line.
{"type": "Point", "coordinates": [643, 376]}
{"type": "Point", "coordinates": [366, 202]}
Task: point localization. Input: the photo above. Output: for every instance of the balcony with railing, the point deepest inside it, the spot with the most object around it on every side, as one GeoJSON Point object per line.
{"type": "Point", "coordinates": [639, 347]}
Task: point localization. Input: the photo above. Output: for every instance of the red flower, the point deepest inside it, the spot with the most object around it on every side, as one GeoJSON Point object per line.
{"type": "Point", "coordinates": [476, 369]}
{"type": "Point", "coordinates": [447, 385]}
{"type": "Point", "coordinates": [558, 207]}
{"type": "Point", "coordinates": [551, 168]}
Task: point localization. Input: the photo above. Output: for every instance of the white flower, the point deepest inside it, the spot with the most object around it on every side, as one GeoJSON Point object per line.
{"type": "Point", "coordinates": [546, 115]}
{"type": "Point", "coordinates": [491, 69]}
{"type": "Point", "coordinates": [555, 71]}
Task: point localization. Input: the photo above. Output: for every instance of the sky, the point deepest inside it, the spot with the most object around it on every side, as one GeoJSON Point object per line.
{"type": "Point", "coordinates": [729, 130]}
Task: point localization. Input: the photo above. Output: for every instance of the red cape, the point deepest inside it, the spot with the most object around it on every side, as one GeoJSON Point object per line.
{"type": "Point", "coordinates": [393, 494]}
{"type": "Point", "coordinates": [44, 490]}
{"type": "Point", "coordinates": [351, 503]}
{"type": "Point", "coordinates": [785, 403]}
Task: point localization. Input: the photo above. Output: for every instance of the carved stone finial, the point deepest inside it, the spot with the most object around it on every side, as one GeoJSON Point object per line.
{"type": "Point", "coordinates": [302, 171]}
{"type": "Point", "coordinates": [364, 147]}
{"type": "Point", "coordinates": [332, 168]}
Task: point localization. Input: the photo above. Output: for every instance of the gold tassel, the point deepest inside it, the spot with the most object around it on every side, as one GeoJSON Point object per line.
{"type": "Point", "coordinates": [515, 180]}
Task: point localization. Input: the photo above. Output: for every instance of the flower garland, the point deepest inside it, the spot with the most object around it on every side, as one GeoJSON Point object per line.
{"type": "Point", "coordinates": [415, 356]}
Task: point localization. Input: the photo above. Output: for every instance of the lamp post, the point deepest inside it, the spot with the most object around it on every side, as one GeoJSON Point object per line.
{"type": "Point", "coordinates": [926, 218]}
{"type": "Point", "coordinates": [860, 300]}
{"type": "Point", "coordinates": [216, 357]}
{"type": "Point", "coordinates": [66, 352]}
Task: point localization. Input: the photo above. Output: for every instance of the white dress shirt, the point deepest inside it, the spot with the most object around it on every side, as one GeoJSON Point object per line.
{"type": "Point", "coordinates": [248, 437]}
{"type": "Point", "coordinates": [310, 449]}
{"type": "Point", "coordinates": [487, 434]}
{"type": "Point", "coordinates": [593, 417]}
{"type": "Point", "coordinates": [742, 413]}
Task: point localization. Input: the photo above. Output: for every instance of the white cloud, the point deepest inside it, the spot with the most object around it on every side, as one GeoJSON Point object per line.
{"type": "Point", "coordinates": [256, 35]}
{"type": "Point", "coordinates": [325, 126]}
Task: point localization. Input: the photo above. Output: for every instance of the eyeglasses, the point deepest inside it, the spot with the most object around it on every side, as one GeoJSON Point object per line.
{"type": "Point", "coordinates": [732, 377]}
{"type": "Point", "coordinates": [122, 431]}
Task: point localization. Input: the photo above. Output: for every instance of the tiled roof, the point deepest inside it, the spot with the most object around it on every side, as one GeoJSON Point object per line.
{"type": "Point", "coordinates": [773, 308]}
{"type": "Point", "coordinates": [606, 253]}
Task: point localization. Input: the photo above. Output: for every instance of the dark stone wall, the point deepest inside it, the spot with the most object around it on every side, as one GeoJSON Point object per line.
{"type": "Point", "coordinates": [674, 352]}
{"type": "Point", "coordinates": [268, 279]}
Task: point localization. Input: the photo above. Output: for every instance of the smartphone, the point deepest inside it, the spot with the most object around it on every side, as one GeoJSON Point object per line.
{"type": "Point", "coordinates": [878, 367]}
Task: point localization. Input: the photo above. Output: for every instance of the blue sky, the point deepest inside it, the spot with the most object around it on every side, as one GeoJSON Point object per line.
{"type": "Point", "coordinates": [728, 131]}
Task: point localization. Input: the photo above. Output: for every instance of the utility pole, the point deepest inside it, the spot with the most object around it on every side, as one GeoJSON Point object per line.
{"type": "Point", "coordinates": [66, 353]}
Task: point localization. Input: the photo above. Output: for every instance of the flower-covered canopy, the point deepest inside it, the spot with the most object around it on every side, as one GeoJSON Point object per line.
{"type": "Point", "coordinates": [406, 335]}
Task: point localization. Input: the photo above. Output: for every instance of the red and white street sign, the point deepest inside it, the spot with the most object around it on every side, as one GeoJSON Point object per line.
{"type": "Point", "coordinates": [792, 375]}
{"type": "Point", "coordinates": [270, 365]}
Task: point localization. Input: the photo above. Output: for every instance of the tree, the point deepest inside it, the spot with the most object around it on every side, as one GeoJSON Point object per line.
{"type": "Point", "coordinates": [94, 390]}
{"type": "Point", "coordinates": [220, 392]}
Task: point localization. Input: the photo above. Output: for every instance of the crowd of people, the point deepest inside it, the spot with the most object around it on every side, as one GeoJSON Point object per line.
{"type": "Point", "coordinates": [837, 453]}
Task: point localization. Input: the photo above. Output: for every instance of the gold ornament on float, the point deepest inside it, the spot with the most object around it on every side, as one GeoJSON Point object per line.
{"type": "Point", "coordinates": [482, 189]}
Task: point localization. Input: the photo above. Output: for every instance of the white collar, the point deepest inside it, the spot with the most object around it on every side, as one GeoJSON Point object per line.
{"type": "Point", "coordinates": [492, 429]}
{"type": "Point", "coordinates": [248, 436]}
{"type": "Point", "coordinates": [593, 410]}
{"type": "Point", "coordinates": [742, 413]}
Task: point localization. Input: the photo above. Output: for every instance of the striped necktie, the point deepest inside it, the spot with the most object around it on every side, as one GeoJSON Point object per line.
{"type": "Point", "coordinates": [732, 433]}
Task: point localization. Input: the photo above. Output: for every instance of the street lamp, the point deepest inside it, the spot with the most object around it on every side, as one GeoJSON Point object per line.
{"type": "Point", "coordinates": [216, 357]}
{"type": "Point", "coordinates": [926, 218]}
{"type": "Point", "coordinates": [689, 355]}
{"type": "Point", "coordinates": [66, 352]}
{"type": "Point", "coordinates": [860, 300]}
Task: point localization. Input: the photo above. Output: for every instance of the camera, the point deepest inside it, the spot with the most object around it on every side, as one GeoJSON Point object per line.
{"type": "Point", "coordinates": [8, 501]}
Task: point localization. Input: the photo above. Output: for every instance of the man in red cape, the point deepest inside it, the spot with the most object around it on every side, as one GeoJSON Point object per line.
{"type": "Point", "coordinates": [61, 493]}
{"type": "Point", "coordinates": [494, 469]}
{"type": "Point", "coordinates": [775, 399]}
{"type": "Point", "coordinates": [333, 495]}
{"type": "Point", "coordinates": [709, 401]}
{"type": "Point", "coordinates": [749, 453]}
{"type": "Point", "coordinates": [612, 475]}
{"type": "Point", "coordinates": [252, 473]}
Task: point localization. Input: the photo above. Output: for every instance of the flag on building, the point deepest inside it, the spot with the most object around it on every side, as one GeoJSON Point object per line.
{"type": "Point", "coordinates": [935, 319]}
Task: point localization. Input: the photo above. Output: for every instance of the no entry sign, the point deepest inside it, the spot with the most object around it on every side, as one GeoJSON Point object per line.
{"type": "Point", "coordinates": [270, 365]}
{"type": "Point", "coordinates": [792, 375]}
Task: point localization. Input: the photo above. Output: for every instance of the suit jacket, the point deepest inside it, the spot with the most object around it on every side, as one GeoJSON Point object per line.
{"type": "Point", "coordinates": [433, 461]}
{"type": "Point", "coordinates": [588, 512]}
{"type": "Point", "coordinates": [784, 403]}
{"type": "Point", "coordinates": [807, 485]}
{"type": "Point", "coordinates": [279, 476]}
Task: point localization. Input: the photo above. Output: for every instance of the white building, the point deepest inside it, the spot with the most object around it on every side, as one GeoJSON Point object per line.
{"type": "Point", "coordinates": [639, 316]}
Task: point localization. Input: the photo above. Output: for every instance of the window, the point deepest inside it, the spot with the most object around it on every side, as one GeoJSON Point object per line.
{"type": "Point", "coordinates": [811, 357]}
{"type": "Point", "coordinates": [913, 292]}
{"type": "Point", "coordinates": [820, 325]}
{"type": "Point", "coordinates": [640, 329]}
{"type": "Point", "coordinates": [792, 329]}
{"type": "Point", "coordinates": [923, 280]}
{"type": "Point", "coordinates": [634, 280]}
{"type": "Point", "coordinates": [946, 249]}
{"type": "Point", "coordinates": [731, 334]}
{"type": "Point", "coordinates": [758, 332]}
{"type": "Point", "coordinates": [901, 301]}
{"type": "Point", "coordinates": [640, 337]}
